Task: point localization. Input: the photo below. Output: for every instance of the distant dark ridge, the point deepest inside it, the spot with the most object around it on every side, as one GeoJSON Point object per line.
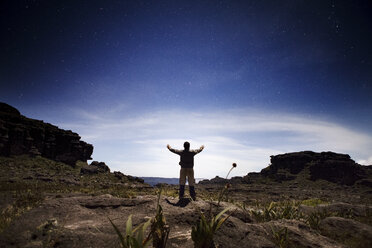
{"type": "Point", "coordinates": [329, 166]}
{"type": "Point", "coordinates": [21, 135]}
{"type": "Point", "coordinates": [166, 180]}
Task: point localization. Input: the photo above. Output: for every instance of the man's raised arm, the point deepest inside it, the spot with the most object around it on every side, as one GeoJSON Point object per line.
{"type": "Point", "coordinates": [200, 149]}
{"type": "Point", "coordinates": [174, 150]}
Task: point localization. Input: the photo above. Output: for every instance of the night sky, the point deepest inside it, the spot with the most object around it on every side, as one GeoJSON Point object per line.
{"type": "Point", "coordinates": [248, 79]}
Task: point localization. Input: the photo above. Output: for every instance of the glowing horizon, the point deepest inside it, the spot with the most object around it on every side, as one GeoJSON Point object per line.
{"type": "Point", "coordinates": [137, 145]}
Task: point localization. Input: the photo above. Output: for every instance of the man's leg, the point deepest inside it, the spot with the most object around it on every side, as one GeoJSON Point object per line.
{"type": "Point", "coordinates": [191, 179]}
{"type": "Point", "coordinates": [182, 182]}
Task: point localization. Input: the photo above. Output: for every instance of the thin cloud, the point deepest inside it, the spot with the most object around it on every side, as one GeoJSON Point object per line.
{"type": "Point", "coordinates": [136, 144]}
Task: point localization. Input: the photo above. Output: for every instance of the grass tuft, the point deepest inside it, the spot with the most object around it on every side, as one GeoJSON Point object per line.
{"type": "Point", "coordinates": [23, 202]}
{"type": "Point", "coordinates": [276, 211]}
{"type": "Point", "coordinates": [280, 237]}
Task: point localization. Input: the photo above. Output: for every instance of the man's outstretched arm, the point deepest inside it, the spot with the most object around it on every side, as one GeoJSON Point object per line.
{"type": "Point", "coordinates": [173, 150]}
{"type": "Point", "coordinates": [200, 149]}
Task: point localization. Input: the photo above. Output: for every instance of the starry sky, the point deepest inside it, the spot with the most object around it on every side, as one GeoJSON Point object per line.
{"type": "Point", "coordinates": [248, 79]}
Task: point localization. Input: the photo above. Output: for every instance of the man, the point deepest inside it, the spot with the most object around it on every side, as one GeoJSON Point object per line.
{"type": "Point", "coordinates": [187, 165]}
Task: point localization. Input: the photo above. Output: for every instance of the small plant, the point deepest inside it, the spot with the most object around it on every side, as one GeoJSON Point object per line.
{"type": "Point", "coordinates": [276, 211]}
{"type": "Point", "coordinates": [289, 210]}
{"type": "Point", "coordinates": [227, 186]}
{"type": "Point", "coordinates": [202, 234]}
{"type": "Point", "coordinates": [313, 219]}
{"type": "Point", "coordinates": [159, 228]}
{"type": "Point", "coordinates": [280, 237]}
{"type": "Point", "coordinates": [134, 238]}
{"type": "Point", "coordinates": [266, 214]}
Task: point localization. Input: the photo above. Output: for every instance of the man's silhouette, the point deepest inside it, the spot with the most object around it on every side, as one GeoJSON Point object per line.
{"type": "Point", "coordinates": [187, 165]}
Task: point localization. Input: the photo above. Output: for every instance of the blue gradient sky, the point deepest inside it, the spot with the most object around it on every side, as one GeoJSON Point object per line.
{"type": "Point", "coordinates": [248, 79]}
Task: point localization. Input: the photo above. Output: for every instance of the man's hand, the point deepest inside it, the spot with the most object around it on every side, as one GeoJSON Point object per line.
{"type": "Point", "coordinates": [168, 146]}
{"type": "Point", "coordinates": [202, 147]}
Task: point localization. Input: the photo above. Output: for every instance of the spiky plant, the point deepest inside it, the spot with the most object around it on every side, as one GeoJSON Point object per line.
{"type": "Point", "coordinates": [202, 234]}
{"type": "Point", "coordinates": [159, 228]}
{"type": "Point", "coordinates": [133, 238]}
{"type": "Point", "coordinates": [314, 219]}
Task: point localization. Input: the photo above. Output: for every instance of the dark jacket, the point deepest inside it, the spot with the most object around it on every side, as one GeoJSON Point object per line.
{"type": "Point", "coordinates": [186, 157]}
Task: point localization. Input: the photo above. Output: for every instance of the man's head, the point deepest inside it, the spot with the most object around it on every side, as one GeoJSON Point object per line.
{"type": "Point", "coordinates": [186, 145]}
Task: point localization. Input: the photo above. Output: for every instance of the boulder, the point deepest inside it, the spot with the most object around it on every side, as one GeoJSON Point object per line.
{"type": "Point", "coordinates": [119, 175]}
{"type": "Point", "coordinates": [102, 167]}
{"type": "Point", "coordinates": [94, 168]}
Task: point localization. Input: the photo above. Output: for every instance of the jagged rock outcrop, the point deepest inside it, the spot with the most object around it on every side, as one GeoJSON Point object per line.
{"type": "Point", "coordinates": [330, 166]}
{"type": "Point", "coordinates": [94, 168]}
{"type": "Point", "coordinates": [220, 180]}
{"type": "Point", "coordinates": [22, 135]}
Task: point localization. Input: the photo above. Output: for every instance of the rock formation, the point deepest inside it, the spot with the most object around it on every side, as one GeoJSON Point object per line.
{"type": "Point", "coordinates": [333, 167]}
{"type": "Point", "coordinates": [330, 166]}
{"type": "Point", "coordinates": [22, 135]}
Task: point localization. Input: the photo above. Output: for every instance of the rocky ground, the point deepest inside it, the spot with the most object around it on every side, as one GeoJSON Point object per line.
{"type": "Point", "coordinates": [49, 204]}
{"type": "Point", "coordinates": [74, 220]}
